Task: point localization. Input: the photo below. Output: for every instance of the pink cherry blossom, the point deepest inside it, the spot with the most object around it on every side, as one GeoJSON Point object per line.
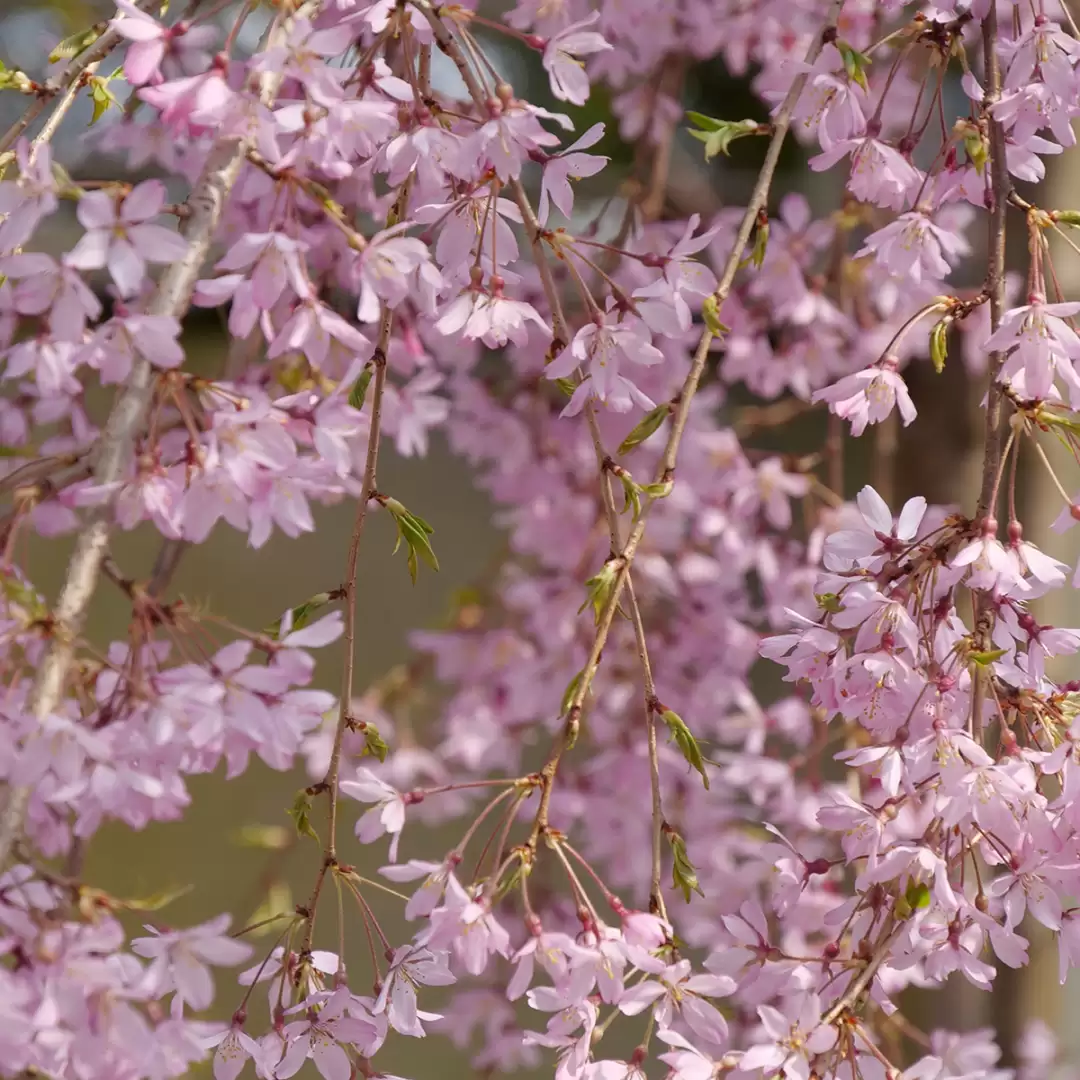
{"type": "Point", "coordinates": [386, 816]}
{"type": "Point", "coordinates": [567, 73]}
{"type": "Point", "coordinates": [120, 237]}
{"type": "Point", "coordinates": [182, 958]}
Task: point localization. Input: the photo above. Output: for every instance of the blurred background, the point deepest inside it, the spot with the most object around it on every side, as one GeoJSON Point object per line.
{"type": "Point", "coordinates": [939, 458]}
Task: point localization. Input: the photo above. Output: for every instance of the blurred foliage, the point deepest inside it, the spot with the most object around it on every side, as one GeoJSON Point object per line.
{"type": "Point", "coordinates": [70, 14]}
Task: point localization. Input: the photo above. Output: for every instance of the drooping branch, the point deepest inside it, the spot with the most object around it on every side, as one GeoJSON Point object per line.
{"type": "Point", "coordinates": [113, 452]}
{"type": "Point", "coordinates": [665, 472]}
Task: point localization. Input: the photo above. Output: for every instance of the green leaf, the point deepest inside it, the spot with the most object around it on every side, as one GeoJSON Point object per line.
{"type": "Point", "coordinates": [658, 491]}
{"type": "Point", "coordinates": [300, 812]}
{"type": "Point", "coordinates": [631, 493]}
{"type": "Point", "coordinates": [710, 312]}
{"type": "Point", "coordinates": [414, 530]}
{"type": "Point", "coordinates": [301, 614]}
{"type": "Point", "coordinates": [278, 904]}
{"type": "Point", "coordinates": [600, 587]}
{"type": "Point", "coordinates": [569, 692]}
{"type": "Point", "coordinates": [684, 739]}
{"type": "Point", "coordinates": [761, 244]}
{"type": "Point", "coordinates": [683, 874]}
{"type": "Point", "coordinates": [102, 97]}
{"type": "Point", "coordinates": [21, 595]}
{"type": "Point", "coordinates": [917, 895]}
{"type": "Point", "coordinates": [646, 427]}
{"type": "Point", "coordinates": [359, 390]}
{"type": "Point", "coordinates": [855, 62]}
{"type": "Point", "coordinates": [939, 344]}
{"type": "Point", "coordinates": [706, 123]}
{"type": "Point", "coordinates": [74, 44]}
{"type": "Point", "coordinates": [976, 147]}
{"type": "Point", "coordinates": [158, 900]}
{"type": "Point", "coordinates": [1067, 217]}
{"type": "Point", "coordinates": [987, 657]}
{"type": "Point", "coordinates": [373, 743]}
{"type": "Point", "coordinates": [1051, 418]}
{"type": "Point", "coordinates": [265, 837]}
{"type": "Point", "coordinates": [13, 79]}
{"type": "Point", "coordinates": [718, 135]}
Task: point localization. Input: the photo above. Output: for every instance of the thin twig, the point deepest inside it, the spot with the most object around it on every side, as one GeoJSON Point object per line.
{"type": "Point", "coordinates": [333, 770]}
{"type": "Point", "coordinates": [656, 896]}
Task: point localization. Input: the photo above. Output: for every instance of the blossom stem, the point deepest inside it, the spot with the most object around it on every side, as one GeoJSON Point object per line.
{"type": "Point", "coordinates": [266, 960]}
{"type": "Point", "coordinates": [575, 882]}
{"type": "Point", "coordinates": [1050, 470]}
{"type": "Point", "coordinates": [609, 896]}
{"type": "Point", "coordinates": [481, 817]}
{"type": "Point", "coordinates": [503, 831]}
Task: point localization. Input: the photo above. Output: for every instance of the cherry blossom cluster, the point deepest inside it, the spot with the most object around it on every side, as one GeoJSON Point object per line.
{"type": "Point", "coordinates": [730, 880]}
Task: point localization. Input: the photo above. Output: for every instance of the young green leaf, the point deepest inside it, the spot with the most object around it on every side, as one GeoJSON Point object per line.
{"type": "Point", "coordinates": [718, 135]}
{"type": "Point", "coordinates": [710, 312]}
{"type": "Point", "coordinates": [599, 588]}
{"type": "Point", "coordinates": [683, 874]}
{"type": "Point", "coordinates": [13, 79]}
{"type": "Point", "coordinates": [939, 344]}
{"type": "Point", "coordinates": [761, 245]}
{"type": "Point", "coordinates": [631, 494]}
{"type": "Point", "coordinates": [917, 894]}
{"type": "Point", "coordinates": [156, 901]}
{"type": "Point", "coordinates": [855, 62]}
{"type": "Point", "coordinates": [414, 530]}
{"type": "Point", "coordinates": [359, 390]}
{"type": "Point", "coordinates": [706, 123]}
{"type": "Point", "coordinates": [74, 44]}
{"type": "Point", "coordinates": [645, 428]}
{"type": "Point", "coordinates": [987, 657]}
{"type": "Point", "coordinates": [277, 904]}
{"type": "Point", "coordinates": [687, 744]}
{"type": "Point", "coordinates": [301, 614]}
{"type": "Point", "coordinates": [569, 692]}
{"type": "Point", "coordinates": [300, 812]}
{"type": "Point", "coordinates": [101, 96]}
{"type": "Point", "coordinates": [658, 491]}
{"type": "Point", "coordinates": [977, 147]}
{"type": "Point", "coordinates": [373, 743]}
{"type": "Point", "coordinates": [266, 837]}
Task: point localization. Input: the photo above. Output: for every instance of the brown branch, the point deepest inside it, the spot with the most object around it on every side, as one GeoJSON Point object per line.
{"type": "Point", "coordinates": [1000, 186]}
